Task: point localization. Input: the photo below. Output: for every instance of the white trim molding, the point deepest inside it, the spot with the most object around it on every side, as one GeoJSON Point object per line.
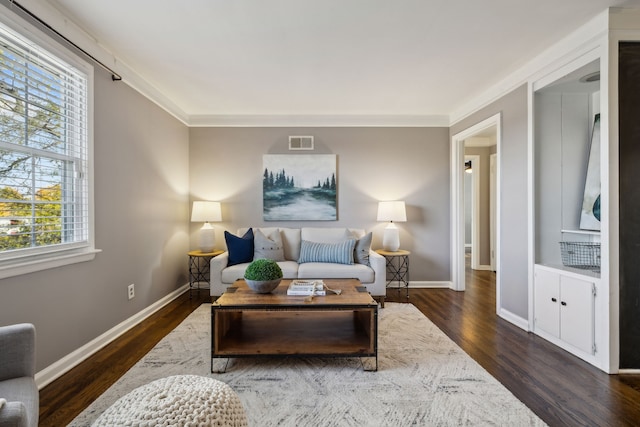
{"type": "Point", "coordinates": [575, 42]}
{"type": "Point", "coordinates": [514, 319]}
{"type": "Point", "coordinates": [457, 200]}
{"type": "Point", "coordinates": [55, 16]}
{"type": "Point", "coordinates": [57, 369]}
{"type": "Point", "coordinates": [48, 262]}
{"type": "Point", "coordinates": [318, 120]}
{"type": "Point", "coordinates": [476, 173]}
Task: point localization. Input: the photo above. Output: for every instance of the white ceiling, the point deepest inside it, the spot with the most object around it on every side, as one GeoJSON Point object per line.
{"type": "Point", "coordinates": [327, 57]}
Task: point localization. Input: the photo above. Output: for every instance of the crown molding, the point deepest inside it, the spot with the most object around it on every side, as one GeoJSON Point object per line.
{"type": "Point", "coordinates": [56, 17]}
{"type": "Point", "coordinates": [65, 26]}
{"type": "Point", "coordinates": [318, 120]}
{"type": "Point", "coordinates": [577, 43]}
{"type": "Point", "coordinates": [135, 81]}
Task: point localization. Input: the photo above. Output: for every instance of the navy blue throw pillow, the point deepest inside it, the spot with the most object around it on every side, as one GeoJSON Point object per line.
{"type": "Point", "coordinates": [240, 248]}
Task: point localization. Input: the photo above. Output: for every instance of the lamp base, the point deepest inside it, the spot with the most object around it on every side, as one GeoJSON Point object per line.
{"type": "Point", "coordinates": [207, 238]}
{"type": "Point", "coordinates": [391, 238]}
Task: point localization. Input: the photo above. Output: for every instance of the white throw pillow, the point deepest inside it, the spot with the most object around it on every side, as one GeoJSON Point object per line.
{"type": "Point", "coordinates": [268, 247]}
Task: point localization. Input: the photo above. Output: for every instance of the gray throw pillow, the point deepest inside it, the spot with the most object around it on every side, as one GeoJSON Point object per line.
{"type": "Point", "coordinates": [363, 246]}
{"type": "Point", "coordinates": [268, 247]}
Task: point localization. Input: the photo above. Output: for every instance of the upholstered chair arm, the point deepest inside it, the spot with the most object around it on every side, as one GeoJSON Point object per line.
{"type": "Point", "coordinates": [13, 414]}
{"type": "Point", "coordinates": [17, 350]}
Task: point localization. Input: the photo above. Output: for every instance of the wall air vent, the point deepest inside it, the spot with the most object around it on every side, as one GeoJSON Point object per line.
{"type": "Point", "coordinates": [300, 143]}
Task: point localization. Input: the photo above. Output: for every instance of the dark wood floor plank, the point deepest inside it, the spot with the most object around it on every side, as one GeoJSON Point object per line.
{"type": "Point", "coordinates": [62, 400]}
{"type": "Point", "coordinates": [560, 388]}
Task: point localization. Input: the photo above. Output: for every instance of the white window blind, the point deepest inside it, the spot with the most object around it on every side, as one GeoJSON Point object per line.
{"type": "Point", "coordinates": [44, 199]}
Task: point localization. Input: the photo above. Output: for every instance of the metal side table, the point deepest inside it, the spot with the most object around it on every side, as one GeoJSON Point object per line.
{"type": "Point", "coordinates": [397, 267]}
{"type": "Point", "coordinates": [199, 268]}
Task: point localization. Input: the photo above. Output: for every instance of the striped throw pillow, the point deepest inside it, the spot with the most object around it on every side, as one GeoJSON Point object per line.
{"type": "Point", "coordinates": [339, 253]}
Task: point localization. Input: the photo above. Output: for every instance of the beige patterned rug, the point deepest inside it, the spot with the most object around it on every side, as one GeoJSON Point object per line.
{"type": "Point", "coordinates": [423, 379]}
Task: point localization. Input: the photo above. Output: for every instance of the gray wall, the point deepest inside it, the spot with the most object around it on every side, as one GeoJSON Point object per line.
{"type": "Point", "coordinates": [141, 222]}
{"type": "Point", "coordinates": [513, 264]}
{"type": "Point", "coordinates": [563, 140]}
{"type": "Point", "coordinates": [410, 164]}
{"type": "Point", "coordinates": [149, 167]}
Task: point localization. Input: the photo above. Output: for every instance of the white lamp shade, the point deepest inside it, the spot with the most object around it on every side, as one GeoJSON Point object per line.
{"type": "Point", "coordinates": [204, 211]}
{"type": "Point", "coordinates": [392, 211]}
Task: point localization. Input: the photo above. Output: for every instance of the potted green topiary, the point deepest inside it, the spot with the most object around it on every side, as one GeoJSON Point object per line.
{"type": "Point", "coordinates": [263, 275]}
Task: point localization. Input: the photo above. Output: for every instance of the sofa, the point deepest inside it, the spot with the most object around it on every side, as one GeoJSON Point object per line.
{"type": "Point", "coordinates": [302, 253]}
{"type": "Point", "coordinates": [19, 396]}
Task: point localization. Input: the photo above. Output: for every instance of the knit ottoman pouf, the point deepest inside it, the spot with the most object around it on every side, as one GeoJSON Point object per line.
{"type": "Point", "coordinates": [181, 400]}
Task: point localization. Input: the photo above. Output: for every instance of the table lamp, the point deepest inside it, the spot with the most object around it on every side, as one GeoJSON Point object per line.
{"type": "Point", "coordinates": [391, 211]}
{"type": "Point", "coordinates": [204, 211]}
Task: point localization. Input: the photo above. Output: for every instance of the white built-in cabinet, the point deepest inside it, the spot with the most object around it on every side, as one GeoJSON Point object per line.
{"type": "Point", "coordinates": [565, 299]}
{"type": "Point", "coordinates": [598, 320]}
{"type": "Point", "coordinates": [564, 309]}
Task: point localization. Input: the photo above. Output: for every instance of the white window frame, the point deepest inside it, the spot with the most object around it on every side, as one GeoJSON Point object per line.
{"type": "Point", "coordinates": [46, 257]}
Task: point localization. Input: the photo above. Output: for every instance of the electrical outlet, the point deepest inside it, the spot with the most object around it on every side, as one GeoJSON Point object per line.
{"type": "Point", "coordinates": [131, 291]}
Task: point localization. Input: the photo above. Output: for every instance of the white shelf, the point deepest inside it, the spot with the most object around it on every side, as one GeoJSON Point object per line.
{"type": "Point", "coordinates": [588, 232]}
{"type": "Point", "coordinates": [578, 273]}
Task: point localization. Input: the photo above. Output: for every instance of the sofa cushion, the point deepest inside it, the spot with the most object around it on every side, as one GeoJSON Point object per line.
{"type": "Point", "coordinates": [329, 234]}
{"type": "Point", "coordinates": [291, 243]}
{"type": "Point", "coordinates": [235, 272]}
{"type": "Point", "coordinates": [240, 248]}
{"type": "Point", "coordinates": [340, 253]}
{"type": "Point", "coordinates": [268, 246]}
{"type": "Point", "coordinates": [322, 270]}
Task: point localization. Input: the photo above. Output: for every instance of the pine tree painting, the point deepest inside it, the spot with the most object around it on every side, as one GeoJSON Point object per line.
{"type": "Point", "coordinates": [299, 187]}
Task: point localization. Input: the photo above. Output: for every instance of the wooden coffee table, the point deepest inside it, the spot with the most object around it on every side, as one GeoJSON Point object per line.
{"type": "Point", "coordinates": [247, 324]}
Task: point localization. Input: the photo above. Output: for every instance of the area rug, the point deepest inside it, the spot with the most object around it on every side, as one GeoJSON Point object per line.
{"type": "Point", "coordinates": [423, 379]}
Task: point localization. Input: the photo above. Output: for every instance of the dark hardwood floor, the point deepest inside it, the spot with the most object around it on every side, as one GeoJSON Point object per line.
{"type": "Point", "coordinates": [560, 388]}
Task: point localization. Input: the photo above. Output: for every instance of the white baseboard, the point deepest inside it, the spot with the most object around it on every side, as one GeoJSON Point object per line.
{"type": "Point", "coordinates": [57, 369]}
{"type": "Point", "coordinates": [628, 371]}
{"type": "Point", "coordinates": [422, 284]}
{"type": "Point", "coordinates": [483, 267]}
{"type": "Point", "coordinates": [515, 319]}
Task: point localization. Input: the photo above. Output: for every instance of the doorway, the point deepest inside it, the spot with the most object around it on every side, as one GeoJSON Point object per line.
{"type": "Point", "coordinates": [475, 141]}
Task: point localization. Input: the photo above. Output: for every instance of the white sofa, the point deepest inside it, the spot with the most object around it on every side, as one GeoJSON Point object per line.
{"type": "Point", "coordinates": [372, 276]}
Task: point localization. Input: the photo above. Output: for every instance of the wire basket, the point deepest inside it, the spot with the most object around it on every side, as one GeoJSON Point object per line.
{"type": "Point", "coordinates": [584, 255]}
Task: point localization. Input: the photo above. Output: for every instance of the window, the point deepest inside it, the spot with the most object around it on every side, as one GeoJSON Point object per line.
{"type": "Point", "coordinates": [44, 155]}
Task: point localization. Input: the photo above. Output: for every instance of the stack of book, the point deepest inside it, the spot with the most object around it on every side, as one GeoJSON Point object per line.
{"type": "Point", "coordinates": [306, 288]}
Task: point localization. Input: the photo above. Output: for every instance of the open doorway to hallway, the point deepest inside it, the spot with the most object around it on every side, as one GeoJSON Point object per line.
{"type": "Point", "coordinates": [480, 152]}
{"type": "Point", "coordinates": [481, 143]}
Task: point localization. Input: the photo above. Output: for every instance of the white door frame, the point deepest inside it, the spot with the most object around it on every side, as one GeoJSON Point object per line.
{"type": "Point", "coordinates": [493, 185]}
{"type": "Point", "coordinates": [475, 209]}
{"type": "Point", "coordinates": [457, 202]}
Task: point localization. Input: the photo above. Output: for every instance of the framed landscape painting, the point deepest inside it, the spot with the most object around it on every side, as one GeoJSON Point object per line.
{"type": "Point", "coordinates": [590, 213]}
{"type": "Point", "coordinates": [299, 187]}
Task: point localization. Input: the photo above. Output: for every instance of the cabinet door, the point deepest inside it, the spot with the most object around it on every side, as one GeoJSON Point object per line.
{"type": "Point", "coordinates": [546, 301]}
{"type": "Point", "coordinates": [576, 313]}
